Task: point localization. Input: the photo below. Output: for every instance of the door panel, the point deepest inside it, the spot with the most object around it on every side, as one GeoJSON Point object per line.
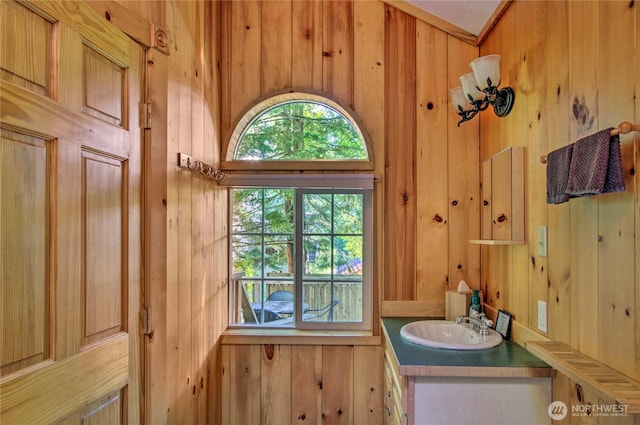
{"type": "Point", "coordinates": [23, 243]}
{"type": "Point", "coordinates": [70, 88]}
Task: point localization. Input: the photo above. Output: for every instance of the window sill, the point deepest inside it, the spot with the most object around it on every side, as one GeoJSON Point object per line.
{"type": "Point", "coordinates": [298, 337]}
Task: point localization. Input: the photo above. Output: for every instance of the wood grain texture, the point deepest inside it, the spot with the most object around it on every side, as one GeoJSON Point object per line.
{"type": "Point", "coordinates": [92, 194]}
{"type": "Point", "coordinates": [432, 213]}
{"type": "Point", "coordinates": [276, 46]}
{"type": "Point", "coordinates": [337, 384]}
{"type": "Point", "coordinates": [337, 49]}
{"type": "Point", "coordinates": [24, 262]}
{"type": "Point", "coordinates": [604, 381]}
{"type": "Point", "coordinates": [616, 226]}
{"type": "Point", "coordinates": [306, 401]}
{"type": "Point", "coordinates": [584, 211]}
{"type": "Point", "coordinates": [90, 374]}
{"type": "Point", "coordinates": [400, 148]}
{"type": "Point", "coordinates": [558, 218]}
{"type": "Point", "coordinates": [275, 384]}
{"type": "Point", "coordinates": [306, 44]}
{"type": "Point", "coordinates": [463, 177]}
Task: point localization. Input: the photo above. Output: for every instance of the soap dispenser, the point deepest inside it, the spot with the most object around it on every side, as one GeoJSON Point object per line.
{"type": "Point", "coordinates": [475, 308]}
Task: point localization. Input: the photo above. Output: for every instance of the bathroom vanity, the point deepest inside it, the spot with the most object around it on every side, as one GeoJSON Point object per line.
{"type": "Point", "coordinates": [502, 385]}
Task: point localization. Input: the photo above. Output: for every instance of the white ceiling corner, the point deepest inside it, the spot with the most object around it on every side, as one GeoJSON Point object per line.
{"type": "Point", "coordinates": [469, 15]}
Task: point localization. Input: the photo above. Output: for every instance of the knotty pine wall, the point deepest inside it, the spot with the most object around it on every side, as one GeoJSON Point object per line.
{"type": "Point", "coordinates": [575, 68]}
{"type": "Point", "coordinates": [193, 302]}
{"type": "Point", "coordinates": [394, 72]}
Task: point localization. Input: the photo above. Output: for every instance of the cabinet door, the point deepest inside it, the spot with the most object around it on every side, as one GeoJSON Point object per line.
{"type": "Point", "coordinates": [503, 196]}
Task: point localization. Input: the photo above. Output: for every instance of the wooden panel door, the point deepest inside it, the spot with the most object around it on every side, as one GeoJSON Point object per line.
{"type": "Point", "coordinates": [70, 197]}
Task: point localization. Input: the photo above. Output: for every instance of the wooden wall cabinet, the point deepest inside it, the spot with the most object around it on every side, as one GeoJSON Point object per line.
{"type": "Point", "coordinates": [503, 198]}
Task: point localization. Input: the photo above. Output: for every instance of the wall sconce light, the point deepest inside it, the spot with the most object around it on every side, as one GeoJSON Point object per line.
{"type": "Point", "coordinates": [478, 90]}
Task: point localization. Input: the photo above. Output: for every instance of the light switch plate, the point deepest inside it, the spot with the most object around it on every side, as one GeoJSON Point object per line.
{"type": "Point", "coordinates": [542, 241]}
{"type": "Point", "coordinates": [542, 316]}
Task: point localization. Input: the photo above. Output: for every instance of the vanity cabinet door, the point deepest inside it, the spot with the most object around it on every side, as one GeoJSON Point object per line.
{"type": "Point", "coordinates": [398, 392]}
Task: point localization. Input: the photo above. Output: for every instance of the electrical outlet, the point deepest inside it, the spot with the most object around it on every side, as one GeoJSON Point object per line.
{"type": "Point", "coordinates": [542, 241]}
{"type": "Point", "coordinates": [542, 316]}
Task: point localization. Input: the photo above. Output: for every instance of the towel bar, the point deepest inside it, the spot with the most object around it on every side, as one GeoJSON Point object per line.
{"type": "Point", "coordinates": [623, 128]}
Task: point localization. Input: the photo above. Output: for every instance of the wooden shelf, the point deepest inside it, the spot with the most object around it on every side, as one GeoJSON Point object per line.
{"type": "Point", "coordinates": [495, 242]}
{"type": "Point", "coordinates": [606, 382]}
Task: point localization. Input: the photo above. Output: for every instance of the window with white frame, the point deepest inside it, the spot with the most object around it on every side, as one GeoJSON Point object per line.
{"type": "Point", "coordinates": [301, 244]}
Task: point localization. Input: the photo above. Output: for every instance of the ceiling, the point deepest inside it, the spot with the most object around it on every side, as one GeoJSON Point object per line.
{"type": "Point", "coordinates": [469, 15]}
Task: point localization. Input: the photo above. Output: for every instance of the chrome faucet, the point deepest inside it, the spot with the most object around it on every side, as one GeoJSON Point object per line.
{"type": "Point", "coordinates": [480, 324]}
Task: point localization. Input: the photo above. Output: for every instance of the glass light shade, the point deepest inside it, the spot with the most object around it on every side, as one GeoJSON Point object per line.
{"type": "Point", "coordinates": [458, 98]}
{"type": "Point", "coordinates": [486, 67]}
{"type": "Point", "coordinates": [469, 87]}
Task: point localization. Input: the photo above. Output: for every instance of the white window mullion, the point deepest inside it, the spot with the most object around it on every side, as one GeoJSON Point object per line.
{"type": "Point", "coordinates": [299, 257]}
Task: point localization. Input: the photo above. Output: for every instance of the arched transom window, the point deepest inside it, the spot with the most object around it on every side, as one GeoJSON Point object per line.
{"type": "Point", "coordinates": [298, 131]}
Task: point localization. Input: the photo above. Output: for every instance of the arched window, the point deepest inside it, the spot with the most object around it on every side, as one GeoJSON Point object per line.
{"type": "Point", "coordinates": [300, 243]}
{"type": "Point", "coordinates": [299, 131]}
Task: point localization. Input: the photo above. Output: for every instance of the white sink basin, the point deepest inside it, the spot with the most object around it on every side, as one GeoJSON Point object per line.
{"type": "Point", "coordinates": [448, 334]}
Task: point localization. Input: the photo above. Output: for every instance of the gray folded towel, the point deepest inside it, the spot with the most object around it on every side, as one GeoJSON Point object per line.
{"type": "Point", "coordinates": [591, 169]}
{"type": "Point", "coordinates": [614, 182]}
{"type": "Point", "coordinates": [558, 163]}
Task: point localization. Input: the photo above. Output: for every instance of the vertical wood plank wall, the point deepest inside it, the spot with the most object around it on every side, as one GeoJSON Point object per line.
{"type": "Point", "coordinates": [394, 71]}
{"type": "Point", "coordinates": [578, 75]}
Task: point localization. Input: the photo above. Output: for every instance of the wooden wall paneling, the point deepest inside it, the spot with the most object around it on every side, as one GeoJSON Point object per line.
{"type": "Point", "coordinates": [583, 18]}
{"type": "Point", "coordinates": [368, 385]}
{"type": "Point", "coordinates": [615, 213]}
{"type": "Point", "coordinates": [201, 213]}
{"type": "Point", "coordinates": [495, 136]}
{"type": "Point", "coordinates": [245, 73]}
{"type": "Point", "coordinates": [275, 384]}
{"type": "Point", "coordinates": [244, 391]}
{"type": "Point", "coordinates": [636, 191]}
{"type": "Point", "coordinates": [337, 384]}
{"type": "Point", "coordinates": [225, 68]}
{"type": "Point", "coordinates": [180, 210]}
{"type": "Point", "coordinates": [369, 106]}
{"type": "Point", "coordinates": [558, 216]}
{"type": "Point", "coordinates": [337, 50]}
{"type": "Point", "coordinates": [432, 109]}
{"type": "Point", "coordinates": [400, 147]}
{"type": "Point", "coordinates": [306, 384]}
{"type": "Point", "coordinates": [215, 223]}
{"type": "Point", "coordinates": [515, 277]}
{"type": "Point", "coordinates": [156, 291]}
{"type": "Point", "coordinates": [306, 44]}
{"type": "Point", "coordinates": [225, 384]}
{"type": "Point", "coordinates": [276, 46]}
{"type": "Point", "coordinates": [463, 175]}
{"type": "Point", "coordinates": [533, 90]}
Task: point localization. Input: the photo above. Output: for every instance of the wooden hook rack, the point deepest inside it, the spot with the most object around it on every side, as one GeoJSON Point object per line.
{"type": "Point", "coordinates": [185, 161]}
{"type": "Point", "coordinates": [623, 128]}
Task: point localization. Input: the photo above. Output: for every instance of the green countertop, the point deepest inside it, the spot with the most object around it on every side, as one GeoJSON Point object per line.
{"type": "Point", "coordinates": [505, 360]}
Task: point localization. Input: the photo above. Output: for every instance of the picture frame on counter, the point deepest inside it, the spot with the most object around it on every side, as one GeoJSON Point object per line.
{"type": "Point", "coordinates": [503, 324]}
